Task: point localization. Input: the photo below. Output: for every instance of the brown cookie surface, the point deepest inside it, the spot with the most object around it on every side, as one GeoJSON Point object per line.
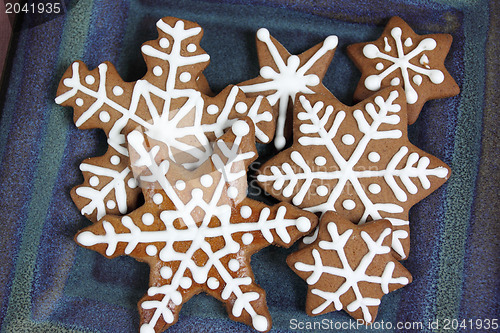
{"type": "Point", "coordinates": [349, 267]}
{"type": "Point", "coordinates": [400, 57]}
{"type": "Point", "coordinates": [355, 160]}
{"type": "Point", "coordinates": [198, 229]}
{"type": "Point", "coordinates": [169, 104]}
{"type": "Point", "coordinates": [283, 76]}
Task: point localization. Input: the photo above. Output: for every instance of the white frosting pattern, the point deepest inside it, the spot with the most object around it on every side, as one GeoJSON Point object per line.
{"type": "Point", "coordinates": [353, 275]}
{"type": "Point", "coordinates": [165, 109]}
{"type": "Point", "coordinates": [301, 185]}
{"type": "Point", "coordinates": [195, 204]}
{"type": "Point", "coordinates": [290, 78]}
{"type": "Point", "coordinates": [402, 62]}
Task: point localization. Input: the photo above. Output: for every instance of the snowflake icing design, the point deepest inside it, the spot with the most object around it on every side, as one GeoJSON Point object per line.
{"type": "Point", "coordinates": [282, 75]}
{"type": "Point", "coordinates": [349, 267]}
{"type": "Point", "coordinates": [167, 103]}
{"type": "Point", "coordinates": [401, 57]}
{"type": "Point", "coordinates": [197, 230]}
{"type": "Point", "coordinates": [362, 164]}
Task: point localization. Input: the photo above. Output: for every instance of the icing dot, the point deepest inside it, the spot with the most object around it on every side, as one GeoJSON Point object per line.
{"type": "Point", "coordinates": [148, 218]}
{"type": "Point", "coordinates": [186, 282]}
{"type": "Point", "coordinates": [115, 159]}
{"type": "Point", "coordinates": [303, 224]}
{"type": "Point", "coordinates": [164, 43]}
{"type": "Point", "coordinates": [240, 128]}
{"type": "Point", "coordinates": [111, 204]}
{"type": "Point", "coordinates": [241, 107]}
{"type": "Point", "coordinates": [348, 139]}
{"type": "Point", "coordinates": [206, 180]}
{"type": "Point", "coordinates": [233, 265]}
{"type": "Point", "coordinates": [320, 160]}
{"type": "Point", "coordinates": [396, 81]}
{"type": "Point", "coordinates": [417, 79]}
{"type": "Point", "coordinates": [117, 90]}
{"type": "Point", "coordinates": [247, 238]}
{"type": "Point", "coordinates": [191, 47]}
{"type": "Point", "coordinates": [212, 109]}
{"type": "Point", "coordinates": [166, 272]}
{"type": "Point", "coordinates": [94, 181]}
{"type": "Point", "coordinates": [180, 185]}
{"type": "Point", "coordinates": [408, 42]}
{"type": "Point", "coordinates": [212, 283]}
{"type": "Point", "coordinates": [104, 116]}
{"type": "Point", "coordinates": [157, 70]}
{"type": "Point", "coordinates": [260, 323]}
{"type": "Point", "coordinates": [379, 66]}
{"type": "Point", "coordinates": [348, 204]}
{"type": "Point", "coordinates": [322, 190]}
{"type": "Point", "coordinates": [157, 198]}
{"type": "Point", "coordinates": [245, 211]}
{"type": "Point", "coordinates": [89, 79]}
{"type": "Point", "coordinates": [263, 34]}
{"type": "Point", "coordinates": [185, 77]}
{"type": "Point", "coordinates": [151, 250]}
{"type": "Point", "coordinates": [232, 192]}
{"type": "Point", "coordinates": [132, 183]}
{"type": "Point", "coordinates": [374, 157]}
{"type": "Point", "coordinates": [79, 101]}
{"type": "Point", "coordinates": [374, 188]}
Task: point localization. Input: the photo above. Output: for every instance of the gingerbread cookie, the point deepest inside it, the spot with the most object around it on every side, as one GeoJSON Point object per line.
{"type": "Point", "coordinates": [168, 102]}
{"type": "Point", "coordinates": [349, 267]}
{"type": "Point", "coordinates": [401, 57]}
{"type": "Point", "coordinates": [355, 160]}
{"type": "Point", "coordinates": [283, 75]}
{"type": "Point", "coordinates": [197, 230]}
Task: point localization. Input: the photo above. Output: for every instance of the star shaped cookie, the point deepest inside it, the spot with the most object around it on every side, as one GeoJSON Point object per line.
{"type": "Point", "coordinates": [283, 76]}
{"type": "Point", "coordinates": [400, 57]}
{"type": "Point", "coordinates": [355, 160]}
{"type": "Point", "coordinates": [349, 267]}
{"type": "Point", "coordinates": [170, 102]}
{"type": "Point", "coordinates": [198, 230]}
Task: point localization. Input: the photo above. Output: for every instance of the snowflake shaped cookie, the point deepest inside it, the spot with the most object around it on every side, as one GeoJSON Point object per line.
{"type": "Point", "coordinates": [283, 75]}
{"type": "Point", "coordinates": [169, 103]}
{"type": "Point", "coordinates": [349, 267]}
{"type": "Point", "coordinates": [356, 160]}
{"type": "Point", "coordinates": [197, 230]}
{"type": "Point", "coordinates": [401, 57]}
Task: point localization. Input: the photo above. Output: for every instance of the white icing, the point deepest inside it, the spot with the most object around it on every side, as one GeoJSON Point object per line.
{"type": "Point", "coordinates": [148, 219]}
{"type": "Point", "coordinates": [320, 160]}
{"type": "Point", "coordinates": [115, 159]}
{"type": "Point", "coordinates": [322, 190]}
{"type": "Point", "coordinates": [379, 66]}
{"type": "Point", "coordinates": [151, 250]}
{"type": "Point", "coordinates": [403, 63]}
{"type": "Point", "coordinates": [395, 82]}
{"type": "Point", "coordinates": [180, 185]}
{"type": "Point", "coordinates": [132, 183]}
{"type": "Point", "coordinates": [374, 188]}
{"type": "Point", "coordinates": [196, 208]}
{"type": "Point", "coordinates": [408, 42]}
{"type": "Point", "coordinates": [89, 79]}
{"type": "Point", "coordinates": [117, 90]}
{"type": "Point", "coordinates": [191, 48]}
{"type": "Point", "coordinates": [104, 116]}
{"type": "Point", "coordinates": [352, 275]}
{"type": "Point", "coordinates": [164, 43]}
{"type": "Point", "coordinates": [212, 109]}
{"type": "Point", "coordinates": [79, 102]}
{"type": "Point", "coordinates": [297, 180]}
{"type": "Point", "coordinates": [166, 272]}
{"type": "Point", "coordinates": [185, 77]}
{"type": "Point", "coordinates": [247, 238]}
{"type": "Point", "coordinates": [241, 107]}
{"type": "Point", "coordinates": [417, 79]}
{"type": "Point", "coordinates": [157, 71]}
{"type": "Point", "coordinates": [348, 139]}
{"type": "Point", "coordinates": [110, 204]}
{"type": "Point", "coordinates": [232, 192]}
{"type": "Point", "coordinates": [206, 180]}
{"type": "Point", "coordinates": [348, 204]}
{"type": "Point", "coordinates": [94, 181]}
{"type": "Point", "coordinates": [290, 78]}
{"type": "Point", "coordinates": [245, 211]}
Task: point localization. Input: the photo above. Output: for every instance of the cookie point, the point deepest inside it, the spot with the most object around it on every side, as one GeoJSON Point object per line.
{"type": "Point", "coordinates": [260, 323]}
